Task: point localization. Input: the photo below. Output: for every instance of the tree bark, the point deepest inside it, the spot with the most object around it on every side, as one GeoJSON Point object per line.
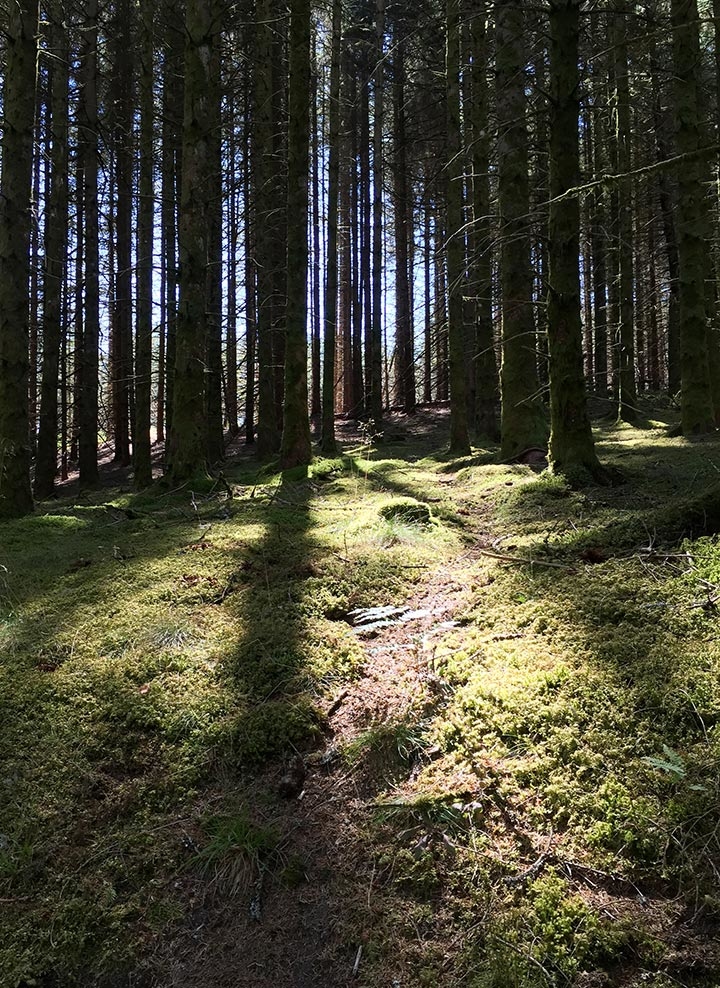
{"type": "Point", "coordinates": [89, 357]}
{"type": "Point", "coordinates": [459, 439]}
{"type": "Point", "coordinates": [121, 117]}
{"type": "Point", "coordinates": [187, 440]}
{"type": "Point", "coordinates": [485, 363]}
{"type": "Point", "coordinates": [56, 236]}
{"type": "Point", "coordinates": [144, 287]}
{"type": "Point", "coordinates": [327, 443]}
{"type": "Point", "coordinates": [571, 450]}
{"type": "Point", "coordinates": [404, 350]}
{"type": "Point", "coordinates": [522, 413]}
{"type": "Point", "coordinates": [295, 448]}
{"type": "Point", "coordinates": [268, 437]}
{"type": "Point", "coordinates": [15, 205]}
{"type": "Point", "coordinates": [626, 381]}
{"type": "Point", "coordinates": [696, 406]}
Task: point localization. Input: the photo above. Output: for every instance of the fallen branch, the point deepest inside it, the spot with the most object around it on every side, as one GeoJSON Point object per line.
{"type": "Point", "coordinates": [526, 562]}
{"type": "Point", "coordinates": [337, 703]}
{"type": "Point", "coordinates": [530, 872]}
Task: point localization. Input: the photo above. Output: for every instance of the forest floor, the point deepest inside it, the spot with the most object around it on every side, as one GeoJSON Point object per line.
{"type": "Point", "coordinates": [410, 721]}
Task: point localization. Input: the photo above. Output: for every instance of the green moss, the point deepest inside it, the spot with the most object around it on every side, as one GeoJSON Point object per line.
{"type": "Point", "coordinates": [407, 510]}
{"type": "Point", "coordinates": [158, 650]}
{"type": "Point", "coordinates": [550, 938]}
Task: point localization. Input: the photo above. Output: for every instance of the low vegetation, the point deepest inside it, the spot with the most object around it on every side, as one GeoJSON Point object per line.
{"type": "Point", "coordinates": [543, 809]}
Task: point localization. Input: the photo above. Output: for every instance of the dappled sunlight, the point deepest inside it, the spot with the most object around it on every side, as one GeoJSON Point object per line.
{"type": "Point", "coordinates": [555, 701]}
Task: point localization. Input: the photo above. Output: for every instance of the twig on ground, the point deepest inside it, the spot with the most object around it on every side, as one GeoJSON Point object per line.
{"type": "Point", "coordinates": [524, 954]}
{"type": "Point", "coordinates": [337, 702]}
{"type": "Point", "coordinates": [526, 562]}
{"type": "Point", "coordinates": [530, 872]}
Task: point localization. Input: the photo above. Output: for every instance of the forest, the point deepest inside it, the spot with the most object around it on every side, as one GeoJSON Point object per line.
{"type": "Point", "coordinates": [359, 494]}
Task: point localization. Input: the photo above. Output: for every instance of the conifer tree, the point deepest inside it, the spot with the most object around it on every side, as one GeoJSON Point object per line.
{"type": "Point", "coordinates": [15, 196]}
{"type": "Point", "coordinates": [187, 440]}
{"type": "Point", "coordinates": [572, 450]}
{"type": "Point", "coordinates": [697, 416]}
{"type": "Point", "coordinates": [295, 448]}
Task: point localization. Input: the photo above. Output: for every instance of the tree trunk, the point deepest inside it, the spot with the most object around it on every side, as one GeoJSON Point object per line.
{"type": "Point", "coordinates": [366, 238]}
{"type": "Point", "coordinates": [121, 113]}
{"type": "Point", "coordinates": [88, 398]}
{"type": "Point", "coordinates": [627, 390]}
{"type": "Point", "coordinates": [264, 228]}
{"type": "Point", "coordinates": [15, 195]}
{"type": "Point", "coordinates": [522, 414]}
{"type": "Point", "coordinates": [146, 210]}
{"type": "Point", "coordinates": [251, 295]}
{"type": "Point", "coordinates": [485, 364]}
{"type": "Point", "coordinates": [375, 398]}
{"type": "Point", "coordinates": [571, 451]}
{"type": "Point", "coordinates": [459, 440]}
{"type": "Point", "coordinates": [214, 439]}
{"type": "Point", "coordinates": [56, 237]}
{"type": "Point", "coordinates": [404, 350]}
{"type": "Point", "coordinates": [428, 291]}
{"type": "Point", "coordinates": [172, 110]}
{"type": "Point", "coordinates": [231, 347]}
{"type": "Point", "coordinates": [598, 249]}
{"type": "Point", "coordinates": [327, 444]}
{"type": "Point", "coordinates": [696, 409]}
{"type": "Point", "coordinates": [315, 336]}
{"type": "Point", "coordinates": [295, 448]}
{"type": "Point", "coordinates": [187, 439]}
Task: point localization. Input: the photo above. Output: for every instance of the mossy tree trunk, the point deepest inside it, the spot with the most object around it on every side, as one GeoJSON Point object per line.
{"type": "Point", "coordinates": [15, 196]}
{"type": "Point", "coordinates": [295, 448]}
{"type": "Point", "coordinates": [187, 440]}
{"type": "Point", "coordinates": [459, 439]}
{"type": "Point", "coordinates": [522, 421]}
{"type": "Point", "coordinates": [571, 443]}
{"type": "Point", "coordinates": [696, 408]}
{"type": "Point", "coordinates": [56, 235]}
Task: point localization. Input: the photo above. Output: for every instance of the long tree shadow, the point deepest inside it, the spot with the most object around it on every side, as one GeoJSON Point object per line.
{"type": "Point", "coordinates": [266, 668]}
{"type": "Point", "coordinates": [285, 921]}
{"type": "Point", "coordinates": [121, 684]}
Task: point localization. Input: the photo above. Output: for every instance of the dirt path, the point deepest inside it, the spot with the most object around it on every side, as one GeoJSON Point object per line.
{"type": "Point", "coordinates": [312, 930]}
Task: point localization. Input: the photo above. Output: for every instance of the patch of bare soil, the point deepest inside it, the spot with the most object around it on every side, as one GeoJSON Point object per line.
{"type": "Point", "coordinates": [311, 931]}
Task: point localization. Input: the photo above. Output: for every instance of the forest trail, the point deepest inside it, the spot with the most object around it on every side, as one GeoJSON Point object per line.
{"type": "Point", "coordinates": [311, 932]}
